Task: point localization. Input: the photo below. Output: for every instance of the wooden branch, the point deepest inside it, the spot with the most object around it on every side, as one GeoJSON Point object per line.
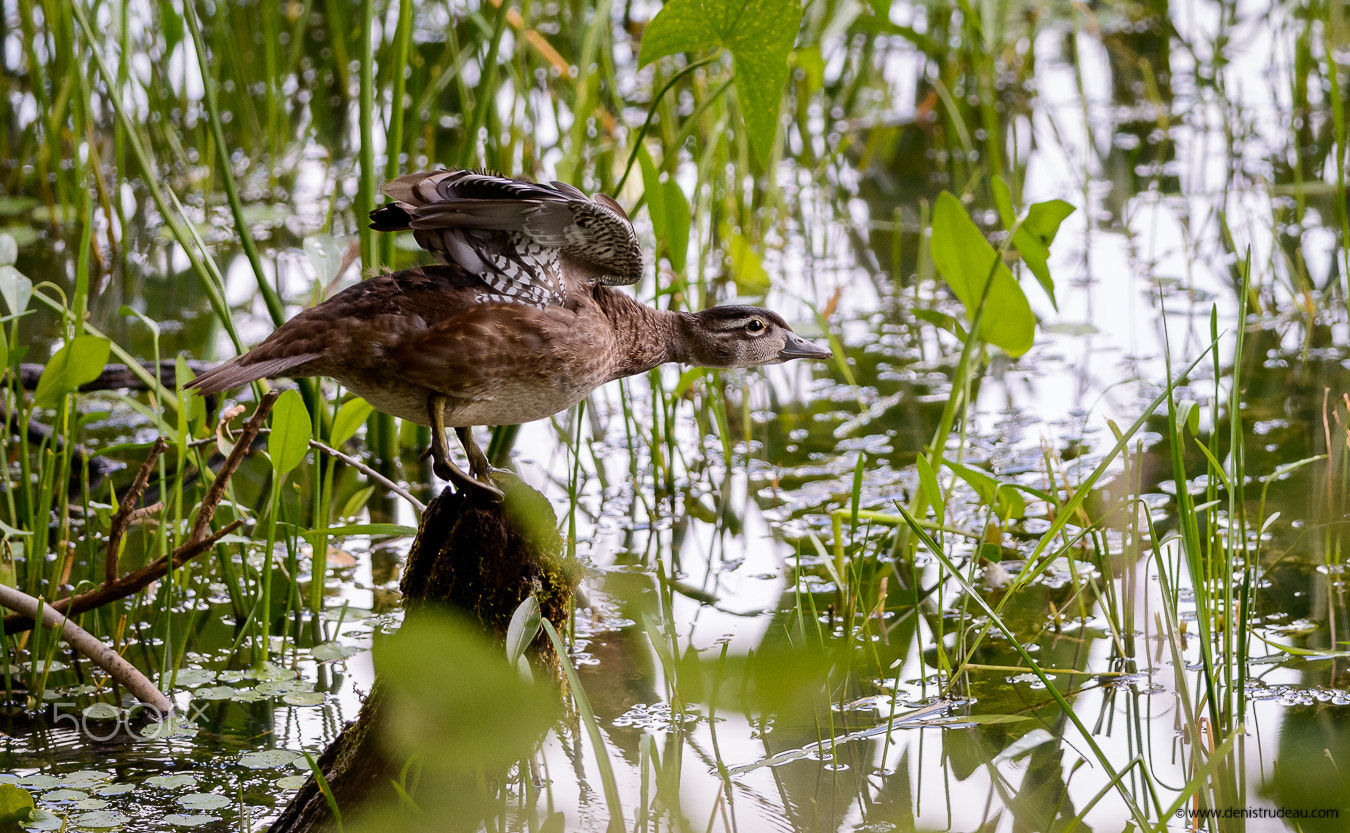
{"type": "Point", "coordinates": [371, 473]}
{"type": "Point", "coordinates": [122, 519]}
{"type": "Point", "coordinates": [85, 643]}
{"type": "Point", "coordinates": [216, 491]}
{"type": "Point", "coordinates": [197, 542]}
{"type": "Point", "coordinates": [125, 585]}
{"type": "Point", "coordinates": [118, 376]}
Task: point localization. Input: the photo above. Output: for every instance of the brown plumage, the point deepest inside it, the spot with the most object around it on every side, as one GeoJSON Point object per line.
{"type": "Point", "coordinates": [528, 331]}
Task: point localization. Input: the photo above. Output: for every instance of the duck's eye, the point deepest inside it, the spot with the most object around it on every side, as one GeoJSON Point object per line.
{"type": "Point", "coordinates": [754, 326]}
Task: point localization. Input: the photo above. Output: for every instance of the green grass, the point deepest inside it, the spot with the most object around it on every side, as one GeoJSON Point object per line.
{"type": "Point", "coordinates": [152, 140]}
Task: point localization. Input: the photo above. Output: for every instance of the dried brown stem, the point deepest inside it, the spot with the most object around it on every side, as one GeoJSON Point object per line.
{"type": "Point", "coordinates": [122, 519]}
{"type": "Point", "coordinates": [197, 542]}
{"type": "Point", "coordinates": [216, 491]}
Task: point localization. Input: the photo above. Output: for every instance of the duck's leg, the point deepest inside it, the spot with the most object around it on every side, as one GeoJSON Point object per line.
{"type": "Point", "coordinates": [479, 466]}
{"type": "Point", "coordinates": [441, 463]}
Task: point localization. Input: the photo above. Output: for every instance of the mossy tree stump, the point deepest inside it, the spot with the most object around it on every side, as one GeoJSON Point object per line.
{"type": "Point", "coordinates": [481, 558]}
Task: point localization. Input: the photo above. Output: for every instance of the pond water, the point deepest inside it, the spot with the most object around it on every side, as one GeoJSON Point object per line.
{"type": "Point", "coordinates": [759, 644]}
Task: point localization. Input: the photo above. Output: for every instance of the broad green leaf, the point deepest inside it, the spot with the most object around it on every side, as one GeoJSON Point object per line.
{"type": "Point", "coordinates": [677, 224]}
{"type": "Point", "coordinates": [455, 700]}
{"type": "Point", "coordinates": [351, 416]}
{"type": "Point", "coordinates": [759, 35]}
{"type": "Point", "coordinates": [16, 289]}
{"type": "Point", "coordinates": [651, 189]}
{"type": "Point", "coordinates": [1034, 236]}
{"type": "Point", "coordinates": [291, 429]}
{"type": "Point", "coordinates": [746, 267]}
{"type": "Point", "coordinates": [1005, 498]}
{"type": "Point", "coordinates": [16, 804]}
{"type": "Point", "coordinates": [965, 260]}
{"type": "Point", "coordinates": [79, 361]}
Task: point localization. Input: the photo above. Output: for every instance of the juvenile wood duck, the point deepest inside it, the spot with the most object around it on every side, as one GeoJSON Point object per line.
{"type": "Point", "coordinates": [516, 324]}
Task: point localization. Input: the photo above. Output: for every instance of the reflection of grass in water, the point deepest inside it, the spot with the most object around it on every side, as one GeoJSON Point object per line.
{"type": "Point", "coordinates": [482, 89]}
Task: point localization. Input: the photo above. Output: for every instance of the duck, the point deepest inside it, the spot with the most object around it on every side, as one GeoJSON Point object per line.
{"type": "Point", "coordinates": [517, 322]}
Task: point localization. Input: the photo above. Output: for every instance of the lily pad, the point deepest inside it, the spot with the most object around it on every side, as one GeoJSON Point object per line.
{"type": "Point", "coordinates": [100, 819]}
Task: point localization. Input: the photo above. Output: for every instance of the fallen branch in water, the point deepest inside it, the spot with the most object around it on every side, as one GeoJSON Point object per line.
{"type": "Point", "coordinates": [198, 540]}
{"type": "Point", "coordinates": [90, 646]}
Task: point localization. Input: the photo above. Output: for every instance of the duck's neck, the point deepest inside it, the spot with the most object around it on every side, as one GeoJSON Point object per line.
{"type": "Point", "coordinates": [645, 337]}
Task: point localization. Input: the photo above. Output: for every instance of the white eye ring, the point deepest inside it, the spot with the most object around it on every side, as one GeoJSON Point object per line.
{"type": "Point", "coordinates": [754, 326]}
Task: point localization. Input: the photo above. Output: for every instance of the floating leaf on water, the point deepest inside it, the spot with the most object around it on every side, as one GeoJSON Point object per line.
{"type": "Point", "coordinates": [332, 650]}
{"type": "Point", "coordinates": [85, 778]}
{"type": "Point", "coordinates": [216, 692]}
{"type": "Point", "coordinates": [248, 695]}
{"type": "Point", "coordinates": [268, 759]}
{"type": "Point", "coordinates": [292, 782]}
{"type": "Point", "coordinates": [204, 801]}
{"type": "Point", "coordinates": [304, 698]}
{"type": "Point", "coordinates": [100, 819]}
{"type": "Point", "coordinates": [272, 671]}
{"type": "Point", "coordinates": [65, 795]}
{"type": "Point", "coordinates": [44, 820]}
{"type": "Point", "coordinates": [39, 782]}
{"type": "Point", "coordinates": [115, 789]}
{"type": "Point", "coordinates": [189, 819]}
{"type": "Point", "coordinates": [172, 782]}
{"type": "Point", "coordinates": [91, 804]}
{"type": "Point", "coordinates": [102, 711]}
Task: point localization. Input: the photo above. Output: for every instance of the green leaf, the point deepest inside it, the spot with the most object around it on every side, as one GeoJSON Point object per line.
{"type": "Point", "coordinates": [351, 416]}
{"type": "Point", "coordinates": [746, 267]}
{"type": "Point", "coordinates": [932, 490]}
{"type": "Point", "coordinates": [965, 260]}
{"type": "Point", "coordinates": [78, 362]}
{"type": "Point", "coordinates": [291, 427]}
{"type": "Point", "coordinates": [1034, 236]}
{"type": "Point", "coordinates": [651, 188]}
{"type": "Point", "coordinates": [759, 35]}
{"type": "Point", "coordinates": [1004, 497]}
{"type": "Point", "coordinates": [677, 224]}
{"type": "Point", "coordinates": [455, 700]}
{"type": "Point", "coordinates": [16, 289]}
{"type": "Point", "coordinates": [16, 804]}
{"type": "Point", "coordinates": [522, 630]}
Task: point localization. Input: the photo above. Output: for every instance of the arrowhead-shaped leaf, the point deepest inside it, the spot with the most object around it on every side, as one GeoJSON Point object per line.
{"type": "Point", "coordinates": [759, 35]}
{"type": "Point", "coordinates": [966, 261]}
{"type": "Point", "coordinates": [1034, 236]}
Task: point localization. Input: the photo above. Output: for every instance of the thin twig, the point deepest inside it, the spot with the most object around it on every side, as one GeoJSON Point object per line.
{"type": "Point", "coordinates": [197, 542]}
{"type": "Point", "coordinates": [369, 472]}
{"type": "Point", "coordinates": [85, 643]}
{"type": "Point", "coordinates": [216, 491]}
{"type": "Point", "coordinates": [122, 518]}
{"type": "Point", "coordinates": [125, 585]}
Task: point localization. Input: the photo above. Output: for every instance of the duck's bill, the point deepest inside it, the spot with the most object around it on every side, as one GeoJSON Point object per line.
{"type": "Point", "coordinates": [799, 348]}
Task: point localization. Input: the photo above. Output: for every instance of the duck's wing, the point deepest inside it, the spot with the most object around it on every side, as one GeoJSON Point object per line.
{"type": "Point", "coordinates": [525, 240]}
